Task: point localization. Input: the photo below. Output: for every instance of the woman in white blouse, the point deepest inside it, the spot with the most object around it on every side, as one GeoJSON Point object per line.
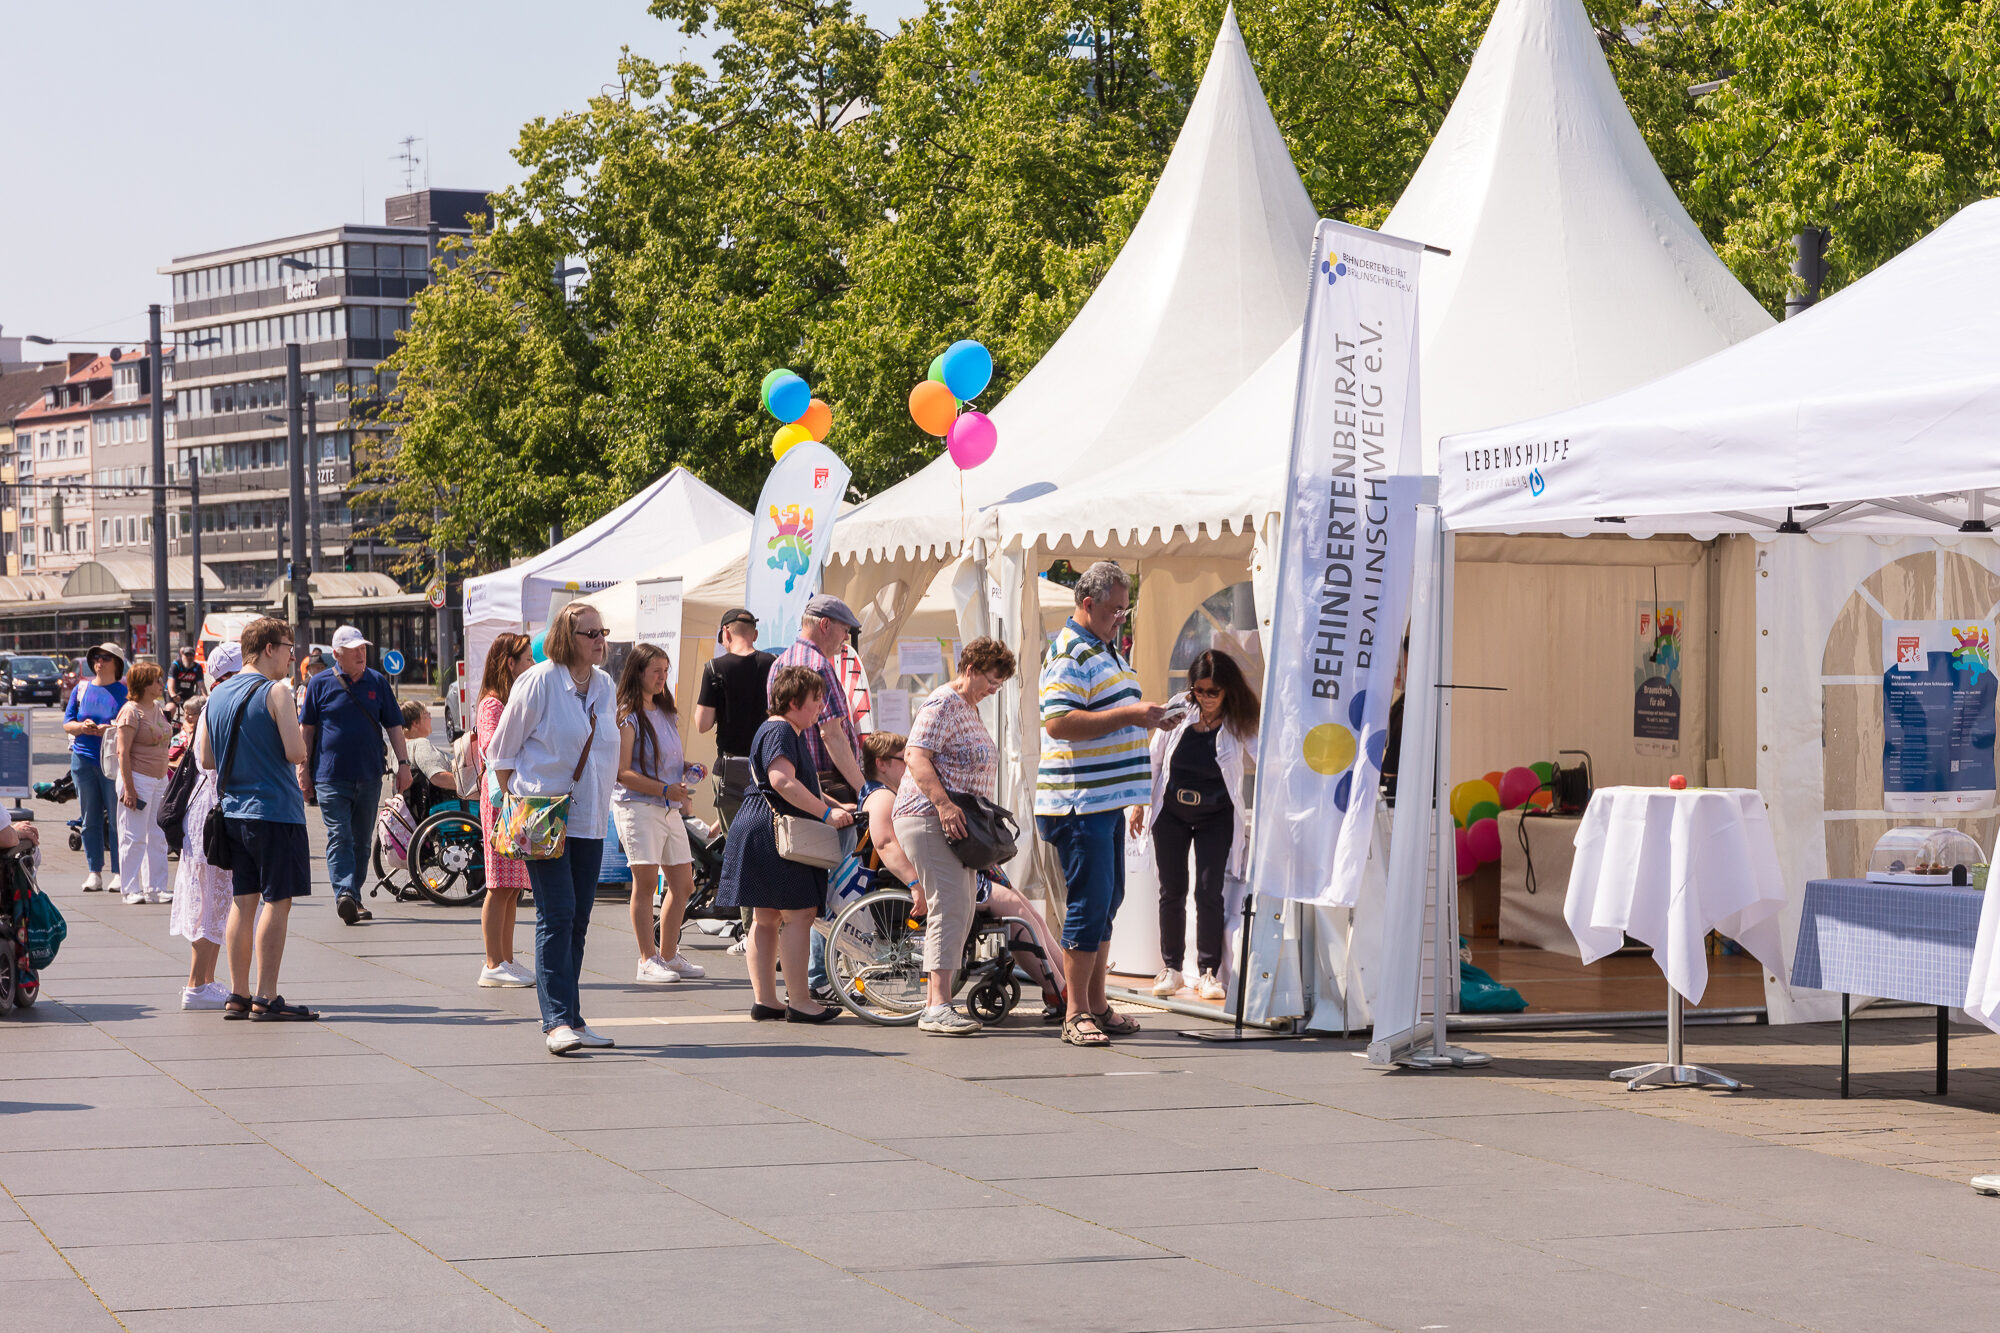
{"type": "Point", "coordinates": [558, 712]}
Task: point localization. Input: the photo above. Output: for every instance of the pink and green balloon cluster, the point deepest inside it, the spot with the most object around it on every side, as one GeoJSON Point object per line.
{"type": "Point", "coordinates": [1476, 805]}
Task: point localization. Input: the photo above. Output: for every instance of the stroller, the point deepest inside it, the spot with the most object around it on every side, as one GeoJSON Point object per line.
{"type": "Point", "coordinates": [61, 790]}
{"type": "Point", "coordinates": [23, 937]}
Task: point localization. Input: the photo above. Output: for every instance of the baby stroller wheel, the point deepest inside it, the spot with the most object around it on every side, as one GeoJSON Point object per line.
{"type": "Point", "coordinates": [992, 1001]}
{"type": "Point", "coordinates": [75, 841]}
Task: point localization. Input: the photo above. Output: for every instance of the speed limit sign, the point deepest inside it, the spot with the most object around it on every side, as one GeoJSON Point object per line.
{"type": "Point", "coordinates": [435, 594]}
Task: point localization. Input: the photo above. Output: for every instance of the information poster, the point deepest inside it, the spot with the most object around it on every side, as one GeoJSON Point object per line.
{"type": "Point", "coordinates": [659, 617]}
{"type": "Point", "coordinates": [919, 657]}
{"type": "Point", "coordinates": [16, 753]}
{"type": "Point", "coordinates": [892, 711]}
{"type": "Point", "coordinates": [1937, 716]}
{"type": "Point", "coordinates": [1656, 679]}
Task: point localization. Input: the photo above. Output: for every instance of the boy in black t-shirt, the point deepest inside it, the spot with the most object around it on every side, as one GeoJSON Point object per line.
{"type": "Point", "coordinates": [732, 703]}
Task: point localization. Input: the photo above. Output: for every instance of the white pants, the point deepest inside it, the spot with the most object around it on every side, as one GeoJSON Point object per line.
{"type": "Point", "coordinates": [142, 843]}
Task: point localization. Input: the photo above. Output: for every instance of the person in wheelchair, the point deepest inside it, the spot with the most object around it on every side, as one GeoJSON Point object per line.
{"type": "Point", "coordinates": [436, 779]}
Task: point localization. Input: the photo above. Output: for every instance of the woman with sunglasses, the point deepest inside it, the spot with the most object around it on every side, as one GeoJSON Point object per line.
{"type": "Point", "coordinates": [1198, 768]}
{"type": "Point", "coordinates": [558, 736]}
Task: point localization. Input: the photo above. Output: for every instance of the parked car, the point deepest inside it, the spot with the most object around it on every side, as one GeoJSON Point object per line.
{"type": "Point", "coordinates": [66, 670]}
{"type": "Point", "coordinates": [30, 678]}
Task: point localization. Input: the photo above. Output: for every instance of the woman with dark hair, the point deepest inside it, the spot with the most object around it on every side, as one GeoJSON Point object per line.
{"type": "Point", "coordinates": [1198, 767]}
{"type": "Point", "coordinates": [93, 705]}
{"type": "Point", "coordinates": [646, 807]}
{"type": "Point", "coordinates": [506, 876]}
{"type": "Point", "coordinates": [787, 895]}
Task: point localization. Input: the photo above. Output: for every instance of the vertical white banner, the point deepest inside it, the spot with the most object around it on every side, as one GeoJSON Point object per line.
{"type": "Point", "coordinates": [1344, 561]}
{"type": "Point", "coordinates": [659, 617]}
{"type": "Point", "coordinates": [790, 534]}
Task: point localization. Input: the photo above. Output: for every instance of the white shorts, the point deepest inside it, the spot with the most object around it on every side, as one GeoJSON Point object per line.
{"type": "Point", "coordinates": [652, 835]}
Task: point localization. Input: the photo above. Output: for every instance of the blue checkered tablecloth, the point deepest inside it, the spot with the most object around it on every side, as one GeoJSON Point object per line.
{"type": "Point", "coordinates": [1896, 941]}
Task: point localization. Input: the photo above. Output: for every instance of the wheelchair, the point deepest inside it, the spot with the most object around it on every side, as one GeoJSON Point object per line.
{"type": "Point", "coordinates": [875, 959]}
{"type": "Point", "coordinates": [447, 860]}
{"type": "Point", "coordinates": [20, 983]}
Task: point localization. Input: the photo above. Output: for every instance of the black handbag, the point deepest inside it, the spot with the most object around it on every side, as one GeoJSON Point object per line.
{"type": "Point", "coordinates": [172, 818]}
{"type": "Point", "coordinates": [991, 835]}
{"type": "Point", "coordinates": [216, 848]}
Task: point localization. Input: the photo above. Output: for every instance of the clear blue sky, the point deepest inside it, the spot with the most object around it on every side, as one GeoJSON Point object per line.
{"type": "Point", "coordinates": [136, 132]}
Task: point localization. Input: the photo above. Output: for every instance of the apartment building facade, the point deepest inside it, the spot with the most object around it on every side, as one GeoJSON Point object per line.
{"type": "Point", "coordinates": [22, 385]}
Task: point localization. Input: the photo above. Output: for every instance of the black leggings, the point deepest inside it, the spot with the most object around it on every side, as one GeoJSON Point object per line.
{"type": "Point", "coordinates": [1210, 833]}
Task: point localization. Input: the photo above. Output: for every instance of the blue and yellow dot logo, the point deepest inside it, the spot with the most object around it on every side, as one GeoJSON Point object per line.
{"type": "Point", "coordinates": [1331, 749]}
{"type": "Point", "coordinates": [1334, 269]}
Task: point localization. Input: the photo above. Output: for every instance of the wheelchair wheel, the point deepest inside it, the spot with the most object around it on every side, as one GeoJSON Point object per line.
{"type": "Point", "coordinates": [994, 1000]}
{"type": "Point", "coordinates": [875, 958]}
{"type": "Point", "coordinates": [8, 976]}
{"type": "Point", "coordinates": [448, 860]}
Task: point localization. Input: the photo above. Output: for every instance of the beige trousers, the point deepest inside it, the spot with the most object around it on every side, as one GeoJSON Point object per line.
{"type": "Point", "coordinates": [949, 890]}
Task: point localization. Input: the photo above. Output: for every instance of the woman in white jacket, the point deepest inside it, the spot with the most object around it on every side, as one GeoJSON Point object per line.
{"type": "Point", "coordinates": [1198, 768]}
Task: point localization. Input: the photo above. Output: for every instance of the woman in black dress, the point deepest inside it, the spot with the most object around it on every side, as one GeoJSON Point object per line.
{"type": "Point", "coordinates": [784, 895]}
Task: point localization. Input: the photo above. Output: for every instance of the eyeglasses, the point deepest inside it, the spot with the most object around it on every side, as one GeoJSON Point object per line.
{"type": "Point", "coordinates": [592, 633]}
{"type": "Point", "coordinates": [1206, 691]}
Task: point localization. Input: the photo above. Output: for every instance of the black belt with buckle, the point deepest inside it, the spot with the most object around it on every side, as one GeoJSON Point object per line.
{"type": "Point", "coordinates": [1188, 796]}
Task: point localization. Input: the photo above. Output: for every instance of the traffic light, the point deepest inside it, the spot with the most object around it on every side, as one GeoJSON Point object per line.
{"type": "Point", "coordinates": [347, 558]}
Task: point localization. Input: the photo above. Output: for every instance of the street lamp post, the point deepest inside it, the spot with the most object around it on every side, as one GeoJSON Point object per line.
{"type": "Point", "coordinates": [197, 608]}
{"type": "Point", "coordinates": [161, 654]}
{"type": "Point", "coordinates": [301, 566]}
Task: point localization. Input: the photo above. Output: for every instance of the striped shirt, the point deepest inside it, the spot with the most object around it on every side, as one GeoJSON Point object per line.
{"type": "Point", "coordinates": [835, 708]}
{"type": "Point", "coordinates": [1108, 773]}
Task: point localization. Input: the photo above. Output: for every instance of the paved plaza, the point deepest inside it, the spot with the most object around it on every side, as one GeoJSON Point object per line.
{"type": "Point", "coordinates": [417, 1161]}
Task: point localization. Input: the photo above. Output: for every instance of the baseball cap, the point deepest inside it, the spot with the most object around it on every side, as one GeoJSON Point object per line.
{"type": "Point", "coordinates": [828, 607]}
{"type": "Point", "coordinates": [735, 615]}
{"type": "Point", "coordinates": [225, 659]}
{"type": "Point", "coordinates": [348, 637]}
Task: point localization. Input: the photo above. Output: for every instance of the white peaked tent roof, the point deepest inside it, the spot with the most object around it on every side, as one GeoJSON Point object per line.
{"type": "Point", "coordinates": [1210, 281]}
{"type": "Point", "coordinates": [1574, 271]}
{"type": "Point", "coordinates": [676, 513]}
{"type": "Point", "coordinates": [1878, 408]}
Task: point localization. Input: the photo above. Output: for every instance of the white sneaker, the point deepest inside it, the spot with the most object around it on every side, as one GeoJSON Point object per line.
{"type": "Point", "coordinates": [502, 975]}
{"type": "Point", "coordinates": [1208, 988]}
{"type": "Point", "coordinates": [210, 996]}
{"type": "Point", "coordinates": [588, 1037]}
{"type": "Point", "coordinates": [93, 882]}
{"type": "Point", "coordinates": [522, 976]}
{"type": "Point", "coordinates": [740, 948]}
{"type": "Point", "coordinates": [945, 1021]}
{"type": "Point", "coordinates": [1167, 982]}
{"type": "Point", "coordinates": [689, 971]}
{"type": "Point", "coordinates": [563, 1040]}
{"type": "Point", "coordinates": [159, 896]}
{"type": "Point", "coordinates": [655, 972]}
{"type": "Point", "coordinates": [135, 897]}
{"type": "Point", "coordinates": [115, 883]}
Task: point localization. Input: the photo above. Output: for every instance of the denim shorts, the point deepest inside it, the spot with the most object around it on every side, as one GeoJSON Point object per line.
{"type": "Point", "coordinates": [1091, 849]}
{"type": "Point", "coordinates": [273, 860]}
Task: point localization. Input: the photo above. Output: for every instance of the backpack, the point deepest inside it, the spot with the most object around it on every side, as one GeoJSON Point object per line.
{"type": "Point", "coordinates": [468, 765]}
{"type": "Point", "coordinates": [394, 829]}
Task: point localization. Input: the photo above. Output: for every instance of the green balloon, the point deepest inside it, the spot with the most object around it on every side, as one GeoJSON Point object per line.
{"type": "Point", "coordinates": [764, 393]}
{"type": "Point", "coordinates": [937, 368]}
{"type": "Point", "coordinates": [1484, 810]}
{"type": "Point", "coordinates": [1544, 770]}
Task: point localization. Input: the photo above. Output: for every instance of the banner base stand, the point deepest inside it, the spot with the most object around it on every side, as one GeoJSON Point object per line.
{"type": "Point", "coordinates": [1451, 1057]}
{"type": "Point", "coordinates": [1423, 1047]}
{"type": "Point", "coordinates": [1242, 1034]}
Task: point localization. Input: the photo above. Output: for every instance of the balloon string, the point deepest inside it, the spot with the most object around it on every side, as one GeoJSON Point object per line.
{"type": "Point", "coordinates": [961, 511]}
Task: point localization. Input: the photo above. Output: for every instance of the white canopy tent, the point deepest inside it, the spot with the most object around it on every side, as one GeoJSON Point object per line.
{"type": "Point", "coordinates": [1855, 444]}
{"type": "Point", "coordinates": [677, 513]}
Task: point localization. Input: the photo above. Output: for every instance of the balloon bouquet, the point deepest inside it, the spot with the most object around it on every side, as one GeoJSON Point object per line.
{"type": "Point", "coordinates": [958, 374]}
{"type": "Point", "coordinates": [790, 399]}
{"type": "Point", "coordinates": [1476, 807]}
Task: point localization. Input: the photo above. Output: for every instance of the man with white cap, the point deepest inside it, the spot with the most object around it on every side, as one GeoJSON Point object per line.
{"type": "Point", "coordinates": [346, 710]}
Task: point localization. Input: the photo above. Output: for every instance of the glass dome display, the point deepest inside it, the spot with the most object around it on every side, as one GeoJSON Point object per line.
{"type": "Point", "coordinates": [1920, 855]}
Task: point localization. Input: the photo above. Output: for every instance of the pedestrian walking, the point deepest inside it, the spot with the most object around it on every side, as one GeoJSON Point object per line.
{"type": "Point", "coordinates": [143, 733]}
{"type": "Point", "coordinates": [203, 893]}
{"type": "Point", "coordinates": [1094, 767]}
{"type": "Point", "coordinates": [506, 876]}
{"type": "Point", "coordinates": [786, 895]}
{"type": "Point", "coordinates": [1197, 801]}
{"type": "Point", "coordinates": [832, 742]}
{"type": "Point", "coordinates": [252, 740]}
{"type": "Point", "coordinates": [950, 753]}
{"type": "Point", "coordinates": [345, 713]}
{"type": "Point", "coordinates": [92, 706]}
{"type": "Point", "coordinates": [184, 678]}
{"type": "Point", "coordinates": [647, 805]}
{"type": "Point", "coordinates": [558, 737]}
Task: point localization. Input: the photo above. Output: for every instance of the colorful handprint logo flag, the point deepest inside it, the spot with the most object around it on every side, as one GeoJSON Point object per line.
{"type": "Point", "coordinates": [790, 538]}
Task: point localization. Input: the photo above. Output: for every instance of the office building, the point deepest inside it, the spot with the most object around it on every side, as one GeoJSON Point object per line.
{"type": "Point", "coordinates": [343, 294]}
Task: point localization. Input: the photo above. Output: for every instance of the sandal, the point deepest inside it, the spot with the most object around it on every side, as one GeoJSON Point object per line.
{"type": "Point", "coordinates": [1082, 1031]}
{"type": "Point", "coordinates": [1116, 1024]}
{"type": "Point", "coordinates": [236, 1007]}
{"type": "Point", "coordinates": [275, 1010]}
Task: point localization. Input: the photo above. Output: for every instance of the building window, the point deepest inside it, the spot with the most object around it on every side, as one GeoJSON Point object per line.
{"type": "Point", "coordinates": [104, 537]}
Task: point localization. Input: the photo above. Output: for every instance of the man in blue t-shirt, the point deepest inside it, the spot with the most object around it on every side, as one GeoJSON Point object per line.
{"type": "Point", "coordinates": [346, 710]}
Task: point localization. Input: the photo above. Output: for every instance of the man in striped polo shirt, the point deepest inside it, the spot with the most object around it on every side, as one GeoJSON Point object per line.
{"type": "Point", "coordinates": [1094, 765]}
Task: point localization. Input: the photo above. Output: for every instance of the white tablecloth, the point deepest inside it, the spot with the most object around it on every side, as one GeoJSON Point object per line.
{"type": "Point", "coordinates": [1667, 867]}
{"type": "Point", "coordinates": [1982, 988]}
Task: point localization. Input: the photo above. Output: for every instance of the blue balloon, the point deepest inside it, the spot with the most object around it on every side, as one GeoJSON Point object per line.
{"type": "Point", "coordinates": [789, 398]}
{"type": "Point", "coordinates": [968, 368]}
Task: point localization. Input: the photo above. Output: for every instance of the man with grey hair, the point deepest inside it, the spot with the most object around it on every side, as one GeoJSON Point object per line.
{"type": "Point", "coordinates": [1095, 765]}
{"type": "Point", "coordinates": [834, 745]}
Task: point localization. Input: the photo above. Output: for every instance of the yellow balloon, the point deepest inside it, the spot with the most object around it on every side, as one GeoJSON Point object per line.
{"type": "Point", "coordinates": [1468, 794]}
{"type": "Point", "coordinates": [787, 437]}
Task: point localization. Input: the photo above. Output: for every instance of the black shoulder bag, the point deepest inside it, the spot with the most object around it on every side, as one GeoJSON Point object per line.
{"type": "Point", "coordinates": [992, 837]}
{"type": "Point", "coordinates": [215, 845]}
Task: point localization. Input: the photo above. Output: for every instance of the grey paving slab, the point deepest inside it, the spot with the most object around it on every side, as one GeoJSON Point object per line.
{"type": "Point", "coordinates": [1249, 1127]}
{"type": "Point", "coordinates": [1134, 1090]}
{"type": "Point", "coordinates": [26, 1256]}
{"type": "Point", "coordinates": [1084, 1149]}
{"type": "Point", "coordinates": [22, 1035]}
{"type": "Point", "coordinates": [476, 1310]}
{"type": "Point", "coordinates": [239, 1041]}
{"type": "Point", "coordinates": [751, 1193]}
{"type": "Point", "coordinates": [788, 1143]}
{"type": "Point", "coordinates": [1020, 1233]}
{"type": "Point", "coordinates": [319, 1143]}
{"type": "Point", "coordinates": [1394, 1163]}
{"type": "Point", "coordinates": [289, 1071]}
{"type": "Point", "coordinates": [244, 1213]}
{"type": "Point", "coordinates": [357, 1102]}
{"type": "Point", "coordinates": [675, 1103]}
{"type": "Point", "coordinates": [175, 1273]}
{"type": "Point", "coordinates": [1555, 1202]}
{"type": "Point", "coordinates": [120, 1127]}
{"type": "Point", "coordinates": [541, 1073]}
{"type": "Point", "coordinates": [1180, 1198]}
{"type": "Point", "coordinates": [735, 1288]}
{"type": "Point", "coordinates": [31, 1066]}
{"type": "Point", "coordinates": [56, 1303]}
{"type": "Point", "coordinates": [1570, 1135]}
{"type": "Point", "coordinates": [116, 1170]}
{"type": "Point", "coordinates": [100, 1094]}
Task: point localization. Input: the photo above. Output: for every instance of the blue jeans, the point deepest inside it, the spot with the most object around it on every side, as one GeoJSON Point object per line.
{"type": "Point", "coordinates": [1091, 849]}
{"type": "Point", "coordinates": [564, 890]}
{"type": "Point", "coordinates": [349, 811]}
{"type": "Point", "coordinates": [97, 795]}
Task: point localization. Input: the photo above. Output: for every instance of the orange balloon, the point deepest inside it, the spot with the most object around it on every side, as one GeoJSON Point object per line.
{"type": "Point", "coordinates": [1541, 800]}
{"type": "Point", "coordinates": [933, 408]}
{"type": "Point", "coordinates": [818, 419]}
{"type": "Point", "coordinates": [1494, 778]}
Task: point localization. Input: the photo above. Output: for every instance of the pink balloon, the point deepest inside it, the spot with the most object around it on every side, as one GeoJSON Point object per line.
{"type": "Point", "coordinates": [1483, 841]}
{"type": "Point", "coordinates": [1517, 785]}
{"type": "Point", "coordinates": [1466, 863]}
{"type": "Point", "coordinates": [972, 439]}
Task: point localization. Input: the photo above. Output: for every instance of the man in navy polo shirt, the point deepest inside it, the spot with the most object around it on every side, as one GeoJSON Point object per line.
{"type": "Point", "coordinates": [346, 710]}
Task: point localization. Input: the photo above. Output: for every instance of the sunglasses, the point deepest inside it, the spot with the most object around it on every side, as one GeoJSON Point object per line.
{"type": "Point", "coordinates": [593, 633]}
{"type": "Point", "coordinates": [1206, 692]}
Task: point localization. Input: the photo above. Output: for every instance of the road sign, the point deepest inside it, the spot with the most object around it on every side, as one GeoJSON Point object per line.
{"type": "Point", "coordinates": [435, 594]}
{"type": "Point", "coordinates": [392, 662]}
